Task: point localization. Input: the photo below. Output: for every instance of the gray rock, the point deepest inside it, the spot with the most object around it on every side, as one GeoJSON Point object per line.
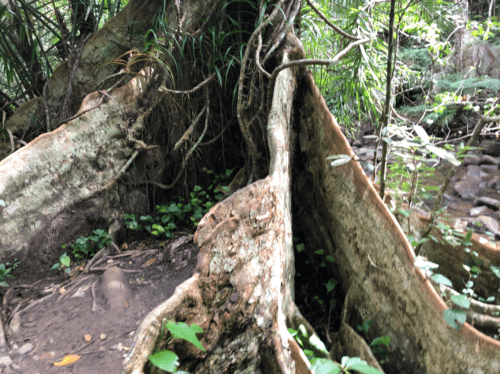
{"type": "Point", "coordinates": [490, 147]}
{"type": "Point", "coordinates": [489, 202]}
{"type": "Point", "coordinates": [478, 210]}
{"type": "Point", "coordinates": [473, 170]}
{"type": "Point", "coordinates": [458, 224]}
{"type": "Point", "coordinates": [488, 160]}
{"type": "Point", "coordinates": [471, 160]}
{"type": "Point", "coordinates": [25, 348]}
{"type": "Point", "coordinates": [489, 168]}
{"type": "Point", "coordinates": [468, 187]}
{"type": "Point", "coordinates": [487, 224]}
{"type": "Point", "coordinates": [5, 361]}
{"type": "Point", "coordinates": [494, 183]}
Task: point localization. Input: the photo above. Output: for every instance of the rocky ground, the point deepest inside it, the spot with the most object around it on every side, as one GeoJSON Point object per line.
{"type": "Point", "coordinates": [473, 196]}
{"type": "Point", "coordinates": [92, 316]}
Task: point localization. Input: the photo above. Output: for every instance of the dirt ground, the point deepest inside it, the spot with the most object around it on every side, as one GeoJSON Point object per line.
{"type": "Point", "coordinates": [44, 325]}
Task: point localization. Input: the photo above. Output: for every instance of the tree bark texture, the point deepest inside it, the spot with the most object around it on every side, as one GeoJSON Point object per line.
{"type": "Point", "coordinates": [345, 215]}
{"type": "Point", "coordinates": [241, 294]}
{"type": "Point", "coordinates": [55, 187]}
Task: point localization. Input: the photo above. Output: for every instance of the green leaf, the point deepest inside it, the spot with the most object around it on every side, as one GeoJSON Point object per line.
{"type": "Point", "coordinates": [325, 366]}
{"type": "Point", "coordinates": [461, 300]}
{"type": "Point", "coordinates": [316, 342]}
{"type": "Point", "coordinates": [146, 219]}
{"type": "Point", "coordinates": [319, 252]}
{"type": "Point", "coordinates": [331, 285]}
{"type": "Point", "coordinates": [4, 284]}
{"type": "Point", "coordinates": [165, 360]}
{"type": "Point", "coordinates": [495, 270]}
{"type": "Point", "coordinates": [65, 260]}
{"type": "Point", "coordinates": [365, 368]}
{"type": "Point", "coordinates": [159, 229]}
{"type": "Point", "coordinates": [439, 278]}
{"type": "Point", "coordinates": [57, 265]}
{"type": "Point", "coordinates": [381, 340]}
{"type": "Point", "coordinates": [329, 258]}
{"type": "Point", "coordinates": [423, 264]}
{"type": "Point", "coordinates": [355, 363]}
{"type": "Point", "coordinates": [468, 236]}
{"type": "Point", "coordinates": [182, 331]}
{"type": "Point", "coordinates": [452, 316]}
{"type": "Point", "coordinates": [365, 327]}
{"type": "Point", "coordinates": [196, 328]}
{"type": "Point", "coordinates": [299, 247]}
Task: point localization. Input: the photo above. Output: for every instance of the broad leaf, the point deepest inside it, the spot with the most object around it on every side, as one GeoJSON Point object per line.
{"type": "Point", "coordinates": [183, 331]}
{"type": "Point", "coordinates": [452, 316]}
{"type": "Point", "coordinates": [165, 360]}
{"type": "Point", "coordinates": [461, 300]}
{"type": "Point", "coordinates": [439, 278]}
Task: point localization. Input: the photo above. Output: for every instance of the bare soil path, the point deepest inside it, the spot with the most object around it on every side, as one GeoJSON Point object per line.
{"type": "Point", "coordinates": [109, 308]}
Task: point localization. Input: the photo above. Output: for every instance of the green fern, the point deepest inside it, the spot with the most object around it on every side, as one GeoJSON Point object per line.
{"type": "Point", "coordinates": [468, 86]}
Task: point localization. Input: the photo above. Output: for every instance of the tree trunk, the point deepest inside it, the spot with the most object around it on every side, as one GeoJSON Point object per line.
{"type": "Point", "coordinates": [242, 294]}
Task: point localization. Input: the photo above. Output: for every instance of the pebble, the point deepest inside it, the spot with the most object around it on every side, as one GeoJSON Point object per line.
{"type": "Point", "coordinates": [488, 201]}
{"type": "Point", "coordinates": [25, 348]}
{"type": "Point", "coordinates": [468, 187]}
{"type": "Point", "coordinates": [5, 361]}
{"type": "Point", "coordinates": [473, 170]}
{"type": "Point", "coordinates": [488, 224]}
{"type": "Point", "coordinates": [489, 168]}
{"type": "Point", "coordinates": [472, 160]}
{"type": "Point", "coordinates": [478, 211]}
{"type": "Point", "coordinates": [488, 160]}
{"type": "Point", "coordinates": [494, 183]}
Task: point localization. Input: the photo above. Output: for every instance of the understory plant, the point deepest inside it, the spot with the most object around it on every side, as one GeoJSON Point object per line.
{"type": "Point", "coordinates": [84, 248]}
{"type": "Point", "coordinates": [183, 213]}
{"type": "Point", "coordinates": [5, 270]}
{"type": "Point", "coordinates": [167, 360]}
{"type": "Point", "coordinates": [317, 354]}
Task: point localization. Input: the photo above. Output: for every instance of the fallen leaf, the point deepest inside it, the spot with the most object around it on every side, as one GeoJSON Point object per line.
{"type": "Point", "coordinates": [102, 336]}
{"type": "Point", "coordinates": [149, 262]}
{"type": "Point", "coordinates": [126, 304]}
{"type": "Point", "coordinates": [67, 360]}
{"type": "Point", "coordinates": [47, 355]}
{"type": "Point", "coordinates": [62, 290]}
{"type": "Point", "coordinates": [87, 337]}
{"type": "Point", "coordinates": [124, 246]}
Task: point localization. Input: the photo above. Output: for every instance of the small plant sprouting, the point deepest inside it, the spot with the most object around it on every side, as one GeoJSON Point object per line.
{"type": "Point", "coordinates": [64, 263]}
{"type": "Point", "coordinates": [168, 360]}
{"type": "Point", "coordinates": [5, 270]}
{"type": "Point", "coordinates": [317, 354]}
{"type": "Point", "coordinates": [83, 247]}
{"type": "Point", "coordinates": [170, 216]}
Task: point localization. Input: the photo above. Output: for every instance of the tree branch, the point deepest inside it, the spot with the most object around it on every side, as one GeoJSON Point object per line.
{"type": "Point", "coordinates": [329, 23]}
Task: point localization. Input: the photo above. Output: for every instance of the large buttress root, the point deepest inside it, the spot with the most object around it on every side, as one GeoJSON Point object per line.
{"type": "Point", "coordinates": [375, 258]}
{"type": "Point", "coordinates": [241, 293]}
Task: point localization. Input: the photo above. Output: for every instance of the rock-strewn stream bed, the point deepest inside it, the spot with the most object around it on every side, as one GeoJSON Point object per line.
{"type": "Point", "coordinates": [473, 196]}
